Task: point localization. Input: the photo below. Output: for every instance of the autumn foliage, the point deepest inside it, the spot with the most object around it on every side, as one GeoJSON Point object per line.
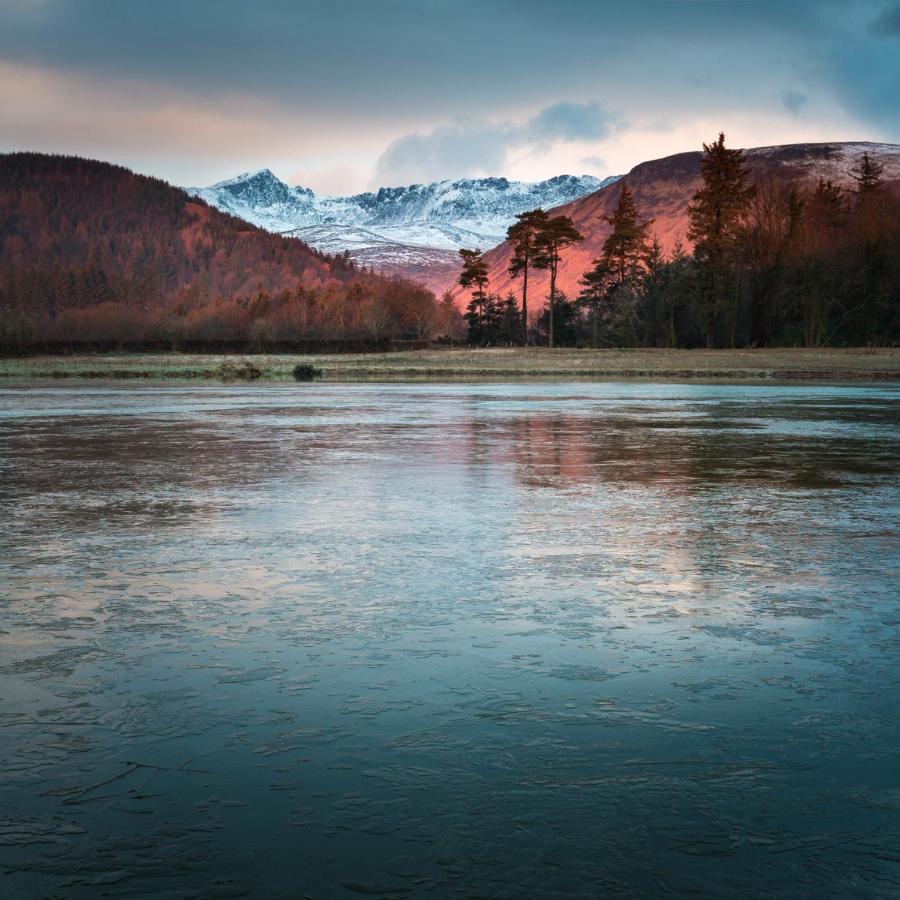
{"type": "Point", "coordinates": [93, 252]}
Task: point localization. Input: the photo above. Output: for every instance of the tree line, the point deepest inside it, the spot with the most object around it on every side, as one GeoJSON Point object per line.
{"type": "Point", "coordinates": [773, 263]}
{"type": "Point", "coordinates": [368, 308]}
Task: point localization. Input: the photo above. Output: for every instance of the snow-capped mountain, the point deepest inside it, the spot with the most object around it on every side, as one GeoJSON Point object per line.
{"type": "Point", "coordinates": [450, 214]}
{"type": "Point", "coordinates": [408, 230]}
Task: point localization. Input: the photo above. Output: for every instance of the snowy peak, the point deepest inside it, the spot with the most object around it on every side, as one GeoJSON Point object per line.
{"type": "Point", "coordinates": [483, 207]}
{"type": "Point", "coordinates": [259, 197]}
{"type": "Point", "coordinates": [260, 176]}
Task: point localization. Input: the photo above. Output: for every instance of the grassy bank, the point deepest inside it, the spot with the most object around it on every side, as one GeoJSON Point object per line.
{"type": "Point", "coordinates": [783, 363]}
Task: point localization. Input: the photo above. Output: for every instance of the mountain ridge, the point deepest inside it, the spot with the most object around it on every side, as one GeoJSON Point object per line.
{"type": "Point", "coordinates": [267, 201]}
{"type": "Point", "coordinates": [413, 230]}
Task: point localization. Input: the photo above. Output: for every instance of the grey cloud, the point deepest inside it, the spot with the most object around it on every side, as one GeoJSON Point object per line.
{"type": "Point", "coordinates": [572, 122]}
{"type": "Point", "coordinates": [794, 101]}
{"type": "Point", "coordinates": [478, 148]}
{"type": "Point", "coordinates": [465, 148]}
{"type": "Point", "coordinates": [367, 58]}
{"type": "Point", "coordinates": [863, 71]}
{"type": "Point", "coordinates": [339, 67]}
{"type": "Point", "coordinates": [888, 22]}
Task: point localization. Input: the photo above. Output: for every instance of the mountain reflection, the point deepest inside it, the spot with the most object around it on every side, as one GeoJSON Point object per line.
{"type": "Point", "coordinates": [678, 454]}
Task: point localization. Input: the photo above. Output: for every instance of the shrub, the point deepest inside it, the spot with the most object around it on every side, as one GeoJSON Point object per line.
{"type": "Point", "coordinates": [243, 371]}
{"type": "Point", "coordinates": [306, 372]}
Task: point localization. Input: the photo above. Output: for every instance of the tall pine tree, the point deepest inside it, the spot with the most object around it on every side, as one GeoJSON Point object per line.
{"type": "Point", "coordinates": [715, 214]}
{"type": "Point", "coordinates": [871, 213]}
{"type": "Point", "coordinates": [625, 249]}
{"type": "Point", "coordinates": [523, 234]}
{"type": "Point", "coordinates": [554, 236]}
{"type": "Point", "coordinates": [615, 279]}
{"type": "Point", "coordinates": [474, 277]}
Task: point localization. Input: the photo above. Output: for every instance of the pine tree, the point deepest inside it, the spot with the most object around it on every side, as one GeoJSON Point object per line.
{"type": "Point", "coordinates": [494, 321]}
{"type": "Point", "coordinates": [871, 214]}
{"type": "Point", "coordinates": [715, 216]}
{"type": "Point", "coordinates": [625, 249]}
{"type": "Point", "coordinates": [655, 294]}
{"type": "Point", "coordinates": [474, 277]}
{"type": "Point", "coordinates": [554, 236]}
{"type": "Point", "coordinates": [509, 320]}
{"type": "Point", "coordinates": [868, 176]}
{"type": "Point", "coordinates": [615, 279]}
{"type": "Point", "coordinates": [595, 286]}
{"type": "Point", "coordinates": [680, 295]}
{"type": "Point", "coordinates": [523, 234]}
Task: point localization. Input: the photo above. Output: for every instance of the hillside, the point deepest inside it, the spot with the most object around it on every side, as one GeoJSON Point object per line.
{"type": "Point", "coordinates": [663, 189]}
{"type": "Point", "coordinates": [89, 247]}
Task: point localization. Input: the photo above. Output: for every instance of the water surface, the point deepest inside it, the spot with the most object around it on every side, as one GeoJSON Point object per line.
{"type": "Point", "coordinates": [548, 640]}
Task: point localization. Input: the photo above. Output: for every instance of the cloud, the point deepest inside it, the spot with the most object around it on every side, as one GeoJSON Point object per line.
{"type": "Point", "coordinates": [150, 128]}
{"type": "Point", "coordinates": [474, 148]}
{"type": "Point", "coordinates": [794, 101]}
{"type": "Point", "coordinates": [888, 22]}
{"type": "Point", "coordinates": [477, 148]}
{"type": "Point", "coordinates": [572, 122]}
{"type": "Point", "coordinates": [278, 83]}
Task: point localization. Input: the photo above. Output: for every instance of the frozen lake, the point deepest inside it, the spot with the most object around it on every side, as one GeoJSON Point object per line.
{"type": "Point", "coordinates": [504, 641]}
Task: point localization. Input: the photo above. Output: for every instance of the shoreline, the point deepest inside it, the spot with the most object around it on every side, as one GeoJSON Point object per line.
{"type": "Point", "coordinates": [454, 365]}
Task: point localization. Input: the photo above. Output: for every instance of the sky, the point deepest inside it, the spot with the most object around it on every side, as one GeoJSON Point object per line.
{"type": "Point", "coordinates": [348, 95]}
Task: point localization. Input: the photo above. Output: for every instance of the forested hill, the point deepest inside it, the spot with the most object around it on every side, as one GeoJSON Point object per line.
{"type": "Point", "coordinates": [731, 248]}
{"type": "Point", "coordinates": [663, 189]}
{"type": "Point", "coordinates": [91, 249]}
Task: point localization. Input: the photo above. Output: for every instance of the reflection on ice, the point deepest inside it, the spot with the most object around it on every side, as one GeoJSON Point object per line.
{"type": "Point", "coordinates": [550, 640]}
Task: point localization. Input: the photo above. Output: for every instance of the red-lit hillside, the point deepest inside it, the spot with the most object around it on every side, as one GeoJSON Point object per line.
{"type": "Point", "coordinates": [663, 189]}
{"type": "Point", "coordinates": [89, 249]}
